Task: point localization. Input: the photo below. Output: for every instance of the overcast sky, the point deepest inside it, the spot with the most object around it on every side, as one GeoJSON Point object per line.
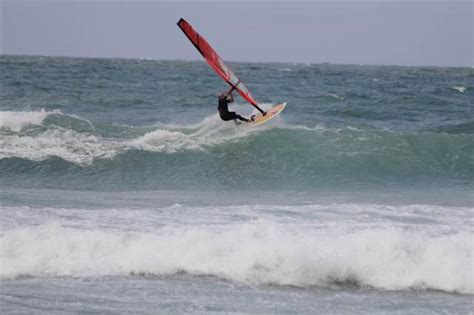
{"type": "Point", "coordinates": [393, 33]}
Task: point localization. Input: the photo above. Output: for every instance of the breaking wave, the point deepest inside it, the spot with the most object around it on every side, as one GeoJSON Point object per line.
{"type": "Point", "coordinates": [213, 152]}
{"type": "Point", "coordinates": [259, 252]}
{"type": "Point", "coordinates": [67, 138]}
{"type": "Point", "coordinates": [16, 121]}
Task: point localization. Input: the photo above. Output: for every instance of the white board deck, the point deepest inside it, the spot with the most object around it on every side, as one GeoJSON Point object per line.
{"type": "Point", "coordinates": [271, 113]}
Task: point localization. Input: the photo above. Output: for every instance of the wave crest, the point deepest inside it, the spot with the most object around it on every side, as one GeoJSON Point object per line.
{"type": "Point", "coordinates": [16, 121]}
{"type": "Point", "coordinates": [258, 252]}
{"type": "Point", "coordinates": [78, 141]}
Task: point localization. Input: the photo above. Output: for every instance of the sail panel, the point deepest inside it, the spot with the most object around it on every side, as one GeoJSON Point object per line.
{"type": "Point", "coordinates": [216, 62]}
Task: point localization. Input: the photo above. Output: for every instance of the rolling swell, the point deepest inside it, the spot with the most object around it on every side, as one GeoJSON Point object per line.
{"type": "Point", "coordinates": [53, 149]}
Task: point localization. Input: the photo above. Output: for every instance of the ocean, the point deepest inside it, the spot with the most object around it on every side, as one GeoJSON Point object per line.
{"type": "Point", "coordinates": [123, 191]}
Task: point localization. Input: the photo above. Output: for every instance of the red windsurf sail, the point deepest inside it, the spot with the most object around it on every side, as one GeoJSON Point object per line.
{"type": "Point", "coordinates": [216, 62]}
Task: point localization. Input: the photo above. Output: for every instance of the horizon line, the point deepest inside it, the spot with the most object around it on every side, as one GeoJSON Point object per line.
{"type": "Point", "coordinates": [234, 61]}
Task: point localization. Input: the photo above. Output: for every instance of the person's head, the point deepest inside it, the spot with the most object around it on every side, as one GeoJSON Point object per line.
{"type": "Point", "coordinates": [230, 98]}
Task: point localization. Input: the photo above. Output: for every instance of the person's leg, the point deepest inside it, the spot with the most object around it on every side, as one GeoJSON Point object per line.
{"type": "Point", "coordinates": [227, 117]}
{"type": "Point", "coordinates": [232, 116]}
{"type": "Point", "coordinates": [242, 118]}
{"type": "Point", "coordinates": [237, 116]}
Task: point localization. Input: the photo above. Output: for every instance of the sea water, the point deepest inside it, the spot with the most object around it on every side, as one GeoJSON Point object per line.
{"type": "Point", "coordinates": [123, 191]}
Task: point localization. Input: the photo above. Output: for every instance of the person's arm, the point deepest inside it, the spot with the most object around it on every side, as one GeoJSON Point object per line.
{"type": "Point", "coordinates": [230, 90]}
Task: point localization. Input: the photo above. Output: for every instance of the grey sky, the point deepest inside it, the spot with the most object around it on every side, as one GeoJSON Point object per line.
{"type": "Point", "coordinates": [401, 33]}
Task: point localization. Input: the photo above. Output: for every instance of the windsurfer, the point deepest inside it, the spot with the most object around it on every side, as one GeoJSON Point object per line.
{"type": "Point", "coordinates": [223, 108]}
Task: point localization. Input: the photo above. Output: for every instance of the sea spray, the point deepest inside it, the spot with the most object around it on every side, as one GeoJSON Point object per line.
{"type": "Point", "coordinates": [17, 120]}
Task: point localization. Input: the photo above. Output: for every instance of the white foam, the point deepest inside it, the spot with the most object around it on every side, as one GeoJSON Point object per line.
{"type": "Point", "coordinates": [258, 252]}
{"type": "Point", "coordinates": [83, 148]}
{"type": "Point", "coordinates": [210, 132]}
{"type": "Point", "coordinates": [335, 96]}
{"type": "Point", "coordinates": [79, 148]}
{"type": "Point", "coordinates": [16, 121]}
{"type": "Point", "coordinates": [461, 89]}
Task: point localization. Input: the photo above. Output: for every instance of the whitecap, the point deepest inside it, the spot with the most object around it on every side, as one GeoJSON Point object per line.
{"type": "Point", "coordinates": [335, 96]}
{"type": "Point", "coordinates": [460, 89]}
{"type": "Point", "coordinates": [16, 121]}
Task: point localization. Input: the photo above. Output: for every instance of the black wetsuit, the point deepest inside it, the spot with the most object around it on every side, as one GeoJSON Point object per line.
{"type": "Point", "coordinates": [223, 109]}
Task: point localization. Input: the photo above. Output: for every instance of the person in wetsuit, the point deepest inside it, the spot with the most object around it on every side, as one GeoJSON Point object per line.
{"type": "Point", "coordinates": [223, 108]}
